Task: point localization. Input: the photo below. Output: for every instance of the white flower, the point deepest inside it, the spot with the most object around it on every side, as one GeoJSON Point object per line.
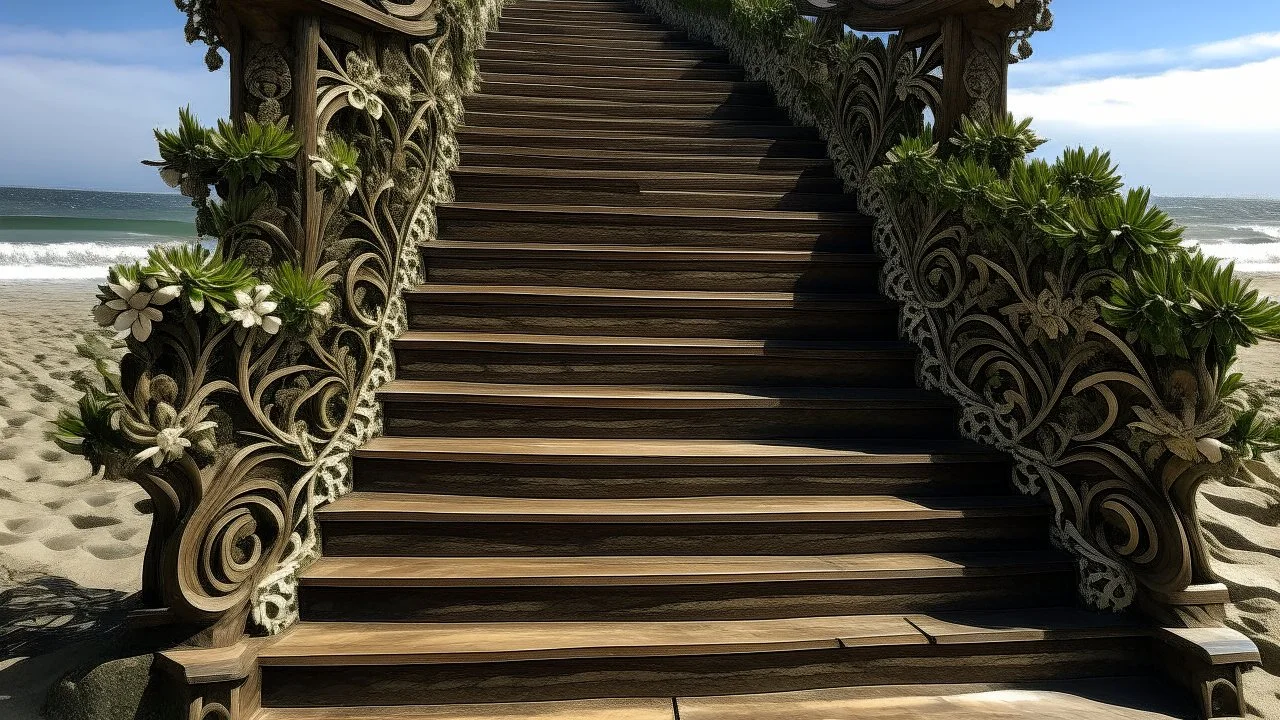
{"type": "Point", "coordinates": [255, 310]}
{"type": "Point", "coordinates": [171, 443]}
{"type": "Point", "coordinates": [349, 185]}
{"type": "Point", "coordinates": [323, 167]}
{"type": "Point", "coordinates": [171, 177]}
{"type": "Point", "coordinates": [324, 309]}
{"type": "Point", "coordinates": [134, 308]}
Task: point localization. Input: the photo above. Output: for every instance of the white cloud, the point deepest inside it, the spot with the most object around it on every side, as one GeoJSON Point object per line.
{"type": "Point", "coordinates": [1247, 48]}
{"type": "Point", "coordinates": [79, 112]}
{"type": "Point", "coordinates": [1232, 99]}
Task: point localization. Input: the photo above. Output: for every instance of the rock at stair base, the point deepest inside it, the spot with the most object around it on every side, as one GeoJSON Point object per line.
{"type": "Point", "coordinates": [123, 689]}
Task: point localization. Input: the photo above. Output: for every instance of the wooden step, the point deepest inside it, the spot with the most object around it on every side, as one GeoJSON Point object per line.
{"type": "Point", "coordinates": [648, 267]}
{"type": "Point", "coordinates": [635, 313]}
{"type": "Point", "coordinates": [575, 31]}
{"type": "Point", "coordinates": [579, 108]}
{"type": "Point", "coordinates": [594, 19]}
{"type": "Point", "coordinates": [317, 664]}
{"type": "Point", "coordinates": [368, 589]}
{"type": "Point", "coordinates": [763, 190]}
{"type": "Point", "coordinates": [490, 409]}
{"type": "Point", "coordinates": [528, 193]}
{"type": "Point", "coordinates": [585, 5]}
{"type": "Point", "coordinates": [678, 227]}
{"type": "Point", "coordinates": [1109, 698]}
{"type": "Point", "coordinates": [594, 159]}
{"type": "Point", "coordinates": [631, 143]}
{"type": "Point", "coordinates": [534, 47]}
{"type": "Point", "coordinates": [677, 127]}
{"type": "Point", "coordinates": [667, 92]}
{"type": "Point", "coordinates": [579, 359]}
{"type": "Point", "coordinates": [520, 62]}
{"type": "Point", "coordinates": [623, 42]}
{"type": "Point", "coordinates": [428, 525]}
{"type": "Point", "coordinates": [575, 467]}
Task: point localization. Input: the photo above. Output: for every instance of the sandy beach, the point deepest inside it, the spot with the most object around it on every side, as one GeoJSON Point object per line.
{"type": "Point", "coordinates": [56, 519]}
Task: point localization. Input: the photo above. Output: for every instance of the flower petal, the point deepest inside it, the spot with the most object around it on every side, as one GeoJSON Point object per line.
{"type": "Point", "coordinates": [125, 320]}
{"type": "Point", "coordinates": [166, 294]}
{"type": "Point", "coordinates": [271, 324]}
{"type": "Point", "coordinates": [142, 328]}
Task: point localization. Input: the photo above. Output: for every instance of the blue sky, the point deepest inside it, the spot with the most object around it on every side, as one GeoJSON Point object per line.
{"type": "Point", "coordinates": [1183, 92]}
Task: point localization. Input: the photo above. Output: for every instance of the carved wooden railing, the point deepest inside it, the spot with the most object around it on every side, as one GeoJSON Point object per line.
{"type": "Point", "coordinates": [237, 419]}
{"type": "Point", "coordinates": [1118, 443]}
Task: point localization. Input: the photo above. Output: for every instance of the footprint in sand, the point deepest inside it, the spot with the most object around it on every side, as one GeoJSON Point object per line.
{"type": "Point", "coordinates": [43, 393]}
{"type": "Point", "coordinates": [85, 522]}
{"type": "Point", "coordinates": [50, 455]}
{"type": "Point", "coordinates": [28, 525]}
{"type": "Point", "coordinates": [56, 504]}
{"type": "Point", "coordinates": [123, 533]}
{"type": "Point", "coordinates": [62, 543]}
{"type": "Point", "coordinates": [100, 499]}
{"type": "Point", "coordinates": [10, 539]}
{"type": "Point", "coordinates": [9, 452]}
{"type": "Point", "coordinates": [20, 420]}
{"type": "Point", "coordinates": [112, 551]}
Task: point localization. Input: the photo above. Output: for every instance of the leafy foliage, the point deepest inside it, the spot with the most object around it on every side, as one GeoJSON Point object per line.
{"type": "Point", "coordinates": [1150, 307]}
{"type": "Point", "coordinates": [1086, 175]}
{"type": "Point", "coordinates": [1227, 313]}
{"type": "Point", "coordinates": [254, 150]}
{"type": "Point", "coordinates": [1121, 232]}
{"type": "Point", "coordinates": [302, 298]}
{"type": "Point", "coordinates": [1000, 144]}
{"type": "Point", "coordinates": [1254, 434]}
{"type": "Point", "coordinates": [203, 275]}
{"type": "Point", "coordinates": [87, 430]}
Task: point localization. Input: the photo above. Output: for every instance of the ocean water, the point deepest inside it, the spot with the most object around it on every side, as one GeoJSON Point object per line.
{"type": "Point", "coordinates": [64, 234]}
{"type": "Point", "coordinates": [48, 234]}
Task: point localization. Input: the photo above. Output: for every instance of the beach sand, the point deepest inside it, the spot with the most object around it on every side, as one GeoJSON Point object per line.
{"type": "Point", "coordinates": [57, 519]}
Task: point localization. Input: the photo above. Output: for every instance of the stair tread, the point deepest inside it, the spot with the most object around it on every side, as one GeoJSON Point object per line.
{"type": "Point", "coordinates": [667, 570]}
{"type": "Point", "coordinates": [608, 451]}
{"type": "Point", "coordinates": [1111, 698]}
{"type": "Point", "coordinates": [321, 643]}
{"type": "Point", "coordinates": [662, 396]}
{"type": "Point", "coordinates": [477, 152]}
{"type": "Point", "coordinates": [689, 297]}
{"type": "Point", "coordinates": [646, 253]}
{"type": "Point", "coordinates": [423, 507]}
{"type": "Point", "coordinates": [709, 178]}
{"type": "Point", "coordinates": [683, 347]}
{"type": "Point", "coordinates": [552, 212]}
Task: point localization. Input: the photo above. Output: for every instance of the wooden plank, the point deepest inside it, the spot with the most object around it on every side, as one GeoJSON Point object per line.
{"type": "Point", "coordinates": [1215, 645]}
{"type": "Point", "coordinates": [665, 570]}
{"type": "Point", "coordinates": [422, 507]}
{"type": "Point", "coordinates": [1024, 625]}
{"type": "Point", "coordinates": [606, 709]}
{"type": "Point", "coordinates": [418, 643]}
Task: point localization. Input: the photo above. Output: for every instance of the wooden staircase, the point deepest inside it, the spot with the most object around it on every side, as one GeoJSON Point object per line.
{"type": "Point", "coordinates": [655, 449]}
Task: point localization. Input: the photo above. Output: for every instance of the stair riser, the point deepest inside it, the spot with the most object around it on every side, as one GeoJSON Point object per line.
{"type": "Point", "coordinates": [679, 128]}
{"type": "Point", "coordinates": [550, 539]}
{"type": "Point", "coordinates": [514, 367]}
{"type": "Point", "coordinates": [567, 88]}
{"type": "Point", "coordinates": [628, 110]}
{"type": "Point", "coordinates": [724, 148]}
{"type": "Point", "coordinates": [635, 478]}
{"type": "Point", "coordinates": [602, 55]}
{"type": "Point", "coordinates": [878, 323]}
{"type": "Point", "coordinates": [569, 6]}
{"type": "Point", "coordinates": [659, 275]}
{"type": "Point", "coordinates": [526, 56]}
{"type": "Point", "coordinates": [719, 186]}
{"type": "Point", "coordinates": [475, 419]}
{"type": "Point", "coordinates": [658, 86]}
{"type": "Point", "coordinates": [483, 156]}
{"type": "Point", "coordinates": [620, 21]}
{"type": "Point", "coordinates": [694, 71]}
{"type": "Point", "coordinates": [678, 233]}
{"type": "Point", "coordinates": [649, 602]}
{"type": "Point", "coordinates": [503, 39]}
{"type": "Point", "coordinates": [808, 202]}
{"type": "Point", "coordinates": [572, 32]}
{"type": "Point", "coordinates": [725, 674]}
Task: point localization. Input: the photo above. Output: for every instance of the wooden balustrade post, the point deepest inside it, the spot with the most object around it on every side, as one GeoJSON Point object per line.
{"type": "Point", "coordinates": [975, 68]}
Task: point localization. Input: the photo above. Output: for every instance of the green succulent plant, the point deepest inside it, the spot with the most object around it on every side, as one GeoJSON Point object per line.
{"type": "Point", "coordinates": [913, 165]}
{"type": "Point", "coordinates": [301, 298]}
{"type": "Point", "coordinates": [1000, 143]}
{"type": "Point", "coordinates": [1086, 175]}
{"type": "Point", "coordinates": [1149, 306]}
{"type": "Point", "coordinates": [1029, 197]}
{"type": "Point", "coordinates": [1119, 232]}
{"type": "Point", "coordinates": [257, 149]}
{"type": "Point", "coordinates": [205, 277]}
{"type": "Point", "coordinates": [1227, 312]}
{"type": "Point", "coordinates": [87, 429]}
{"type": "Point", "coordinates": [1253, 434]}
{"type": "Point", "coordinates": [186, 154]}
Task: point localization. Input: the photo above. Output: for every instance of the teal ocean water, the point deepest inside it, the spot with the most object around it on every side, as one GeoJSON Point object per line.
{"type": "Point", "coordinates": [51, 234]}
{"type": "Point", "coordinates": [48, 234]}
